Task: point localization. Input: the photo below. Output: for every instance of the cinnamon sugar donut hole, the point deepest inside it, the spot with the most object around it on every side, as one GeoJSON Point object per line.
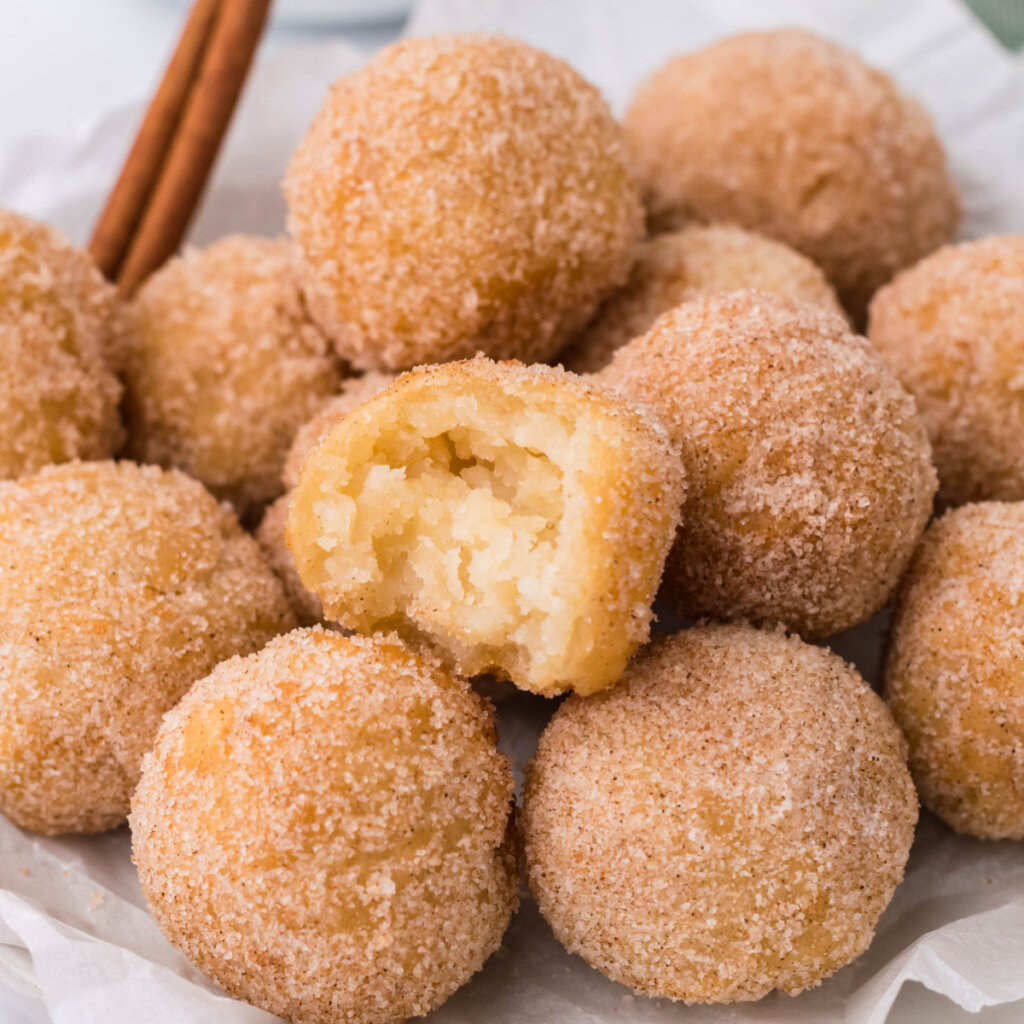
{"type": "Point", "coordinates": [58, 328]}
{"type": "Point", "coordinates": [952, 330]}
{"type": "Point", "coordinates": [325, 829]}
{"type": "Point", "coordinates": [461, 194]}
{"type": "Point", "coordinates": [224, 366]}
{"type": "Point", "coordinates": [809, 472]}
{"type": "Point", "coordinates": [730, 819]}
{"type": "Point", "coordinates": [512, 518]}
{"type": "Point", "coordinates": [682, 265]}
{"type": "Point", "coordinates": [120, 586]}
{"type": "Point", "coordinates": [955, 674]}
{"type": "Point", "coordinates": [788, 134]}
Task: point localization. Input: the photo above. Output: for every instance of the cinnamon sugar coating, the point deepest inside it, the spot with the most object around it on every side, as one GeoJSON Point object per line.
{"type": "Point", "coordinates": [325, 829]}
{"type": "Point", "coordinates": [952, 330]}
{"type": "Point", "coordinates": [354, 392]}
{"type": "Point", "coordinates": [513, 518]}
{"type": "Point", "coordinates": [224, 365]}
{"type": "Point", "coordinates": [120, 585]}
{"type": "Point", "coordinates": [682, 265]}
{"type": "Point", "coordinates": [58, 326]}
{"type": "Point", "coordinates": [731, 819]}
{"type": "Point", "coordinates": [461, 194]}
{"type": "Point", "coordinates": [809, 471]}
{"type": "Point", "coordinates": [955, 674]}
{"type": "Point", "coordinates": [271, 538]}
{"type": "Point", "coordinates": [789, 134]}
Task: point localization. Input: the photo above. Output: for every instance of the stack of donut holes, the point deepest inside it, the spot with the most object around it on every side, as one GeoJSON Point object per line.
{"type": "Point", "coordinates": [271, 528]}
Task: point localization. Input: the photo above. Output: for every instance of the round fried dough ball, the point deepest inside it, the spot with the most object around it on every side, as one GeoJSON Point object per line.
{"type": "Point", "coordinates": [459, 194]}
{"type": "Point", "coordinates": [788, 134]}
{"type": "Point", "coordinates": [325, 829]}
{"type": "Point", "coordinates": [809, 472]}
{"type": "Point", "coordinates": [955, 675]}
{"type": "Point", "coordinates": [224, 366]}
{"type": "Point", "coordinates": [731, 819]}
{"type": "Point", "coordinates": [683, 265]}
{"type": "Point", "coordinates": [58, 399]}
{"type": "Point", "coordinates": [952, 330]}
{"type": "Point", "coordinates": [120, 586]}
{"type": "Point", "coordinates": [354, 392]}
{"type": "Point", "coordinates": [271, 538]}
{"type": "Point", "coordinates": [513, 518]}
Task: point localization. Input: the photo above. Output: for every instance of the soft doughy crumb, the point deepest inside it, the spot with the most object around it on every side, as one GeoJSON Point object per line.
{"type": "Point", "coordinates": [809, 471]}
{"type": "Point", "coordinates": [732, 818]}
{"type": "Point", "coordinates": [682, 265]}
{"type": "Point", "coordinates": [58, 322]}
{"type": "Point", "coordinates": [461, 194]}
{"type": "Point", "coordinates": [790, 135]}
{"type": "Point", "coordinates": [513, 518]}
{"type": "Point", "coordinates": [955, 675]}
{"type": "Point", "coordinates": [325, 829]}
{"type": "Point", "coordinates": [120, 585]}
{"type": "Point", "coordinates": [271, 538]}
{"type": "Point", "coordinates": [952, 330]}
{"type": "Point", "coordinates": [224, 365]}
{"type": "Point", "coordinates": [354, 392]}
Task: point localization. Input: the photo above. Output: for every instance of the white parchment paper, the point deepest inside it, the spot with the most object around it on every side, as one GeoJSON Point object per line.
{"type": "Point", "coordinates": [76, 945]}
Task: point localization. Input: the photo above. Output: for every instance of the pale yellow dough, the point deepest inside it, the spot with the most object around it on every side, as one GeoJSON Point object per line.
{"type": "Point", "coordinates": [513, 518]}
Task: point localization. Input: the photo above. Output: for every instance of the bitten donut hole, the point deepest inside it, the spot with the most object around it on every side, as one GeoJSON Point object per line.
{"type": "Point", "coordinates": [512, 519]}
{"type": "Point", "coordinates": [447, 517]}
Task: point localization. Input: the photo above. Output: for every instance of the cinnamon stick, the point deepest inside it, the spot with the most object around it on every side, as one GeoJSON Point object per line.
{"type": "Point", "coordinates": [211, 102]}
{"type": "Point", "coordinates": [123, 212]}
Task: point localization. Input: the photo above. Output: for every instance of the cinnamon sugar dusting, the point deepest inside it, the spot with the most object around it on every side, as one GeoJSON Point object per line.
{"type": "Point", "coordinates": [955, 675]}
{"type": "Point", "coordinates": [788, 134]}
{"type": "Point", "coordinates": [459, 194]}
{"type": "Point", "coordinates": [810, 473]}
{"type": "Point", "coordinates": [687, 264]}
{"type": "Point", "coordinates": [324, 828]}
{"type": "Point", "coordinates": [121, 585]}
{"type": "Point", "coordinates": [224, 366]}
{"type": "Point", "coordinates": [952, 330]}
{"type": "Point", "coordinates": [59, 333]}
{"type": "Point", "coordinates": [731, 819]}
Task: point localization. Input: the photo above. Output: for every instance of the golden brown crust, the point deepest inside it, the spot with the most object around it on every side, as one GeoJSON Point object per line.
{"type": "Point", "coordinates": [952, 330]}
{"type": "Point", "coordinates": [513, 517]}
{"type": "Point", "coordinates": [324, 828]}
{"type": "Point", "coordinates": [224, 365]}
{"type": "Point", "coordinates": [788, 134]}
{"type": "Point", "coordinates": [459, 194]}
{"type": "Point", "coordinates": [697, 260]}
{"type": "Point", "coordinates": [732, 818]}
{"type": "Point", "coordinates": [809, 471]}
{"type": "Point", "coordinates": [354, 392]}
{"type": "Point", "coordinates": [57, 327]}
{"type": "Point", "coordinates": [955, 674]}
{"type": "Point", "coordinates": [120, 585]}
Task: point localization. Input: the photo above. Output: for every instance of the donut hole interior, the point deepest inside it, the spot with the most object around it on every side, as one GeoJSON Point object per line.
{"type": "Point", "coordinates": [453, 523]}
